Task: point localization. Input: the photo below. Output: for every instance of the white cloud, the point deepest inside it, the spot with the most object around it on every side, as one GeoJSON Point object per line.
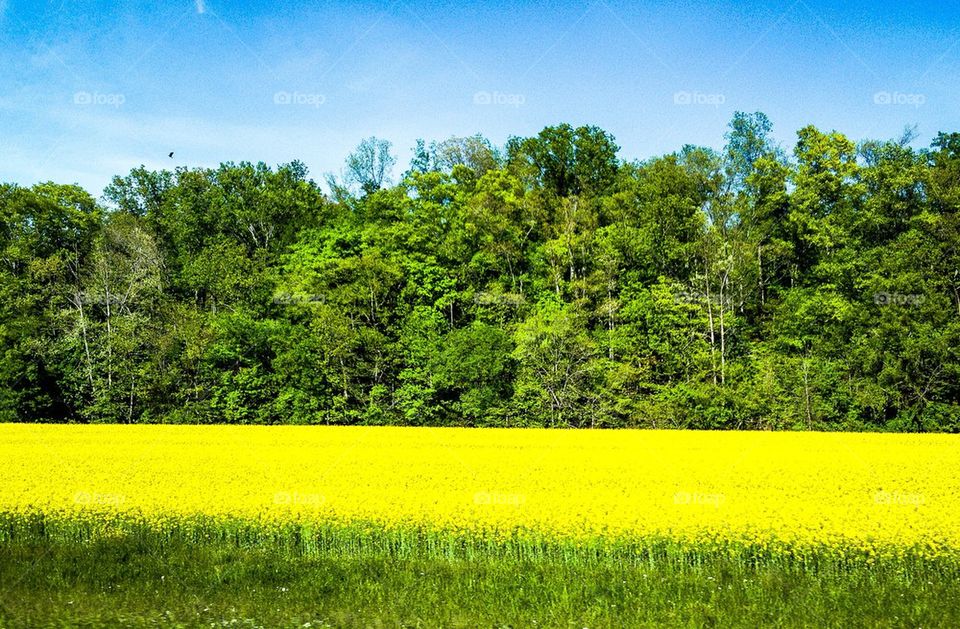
{"type": "Point", "coordinates": [201, 6]}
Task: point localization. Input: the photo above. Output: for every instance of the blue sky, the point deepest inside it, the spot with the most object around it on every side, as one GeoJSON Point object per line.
{"type": "Point", "coordinates": [91, 89]}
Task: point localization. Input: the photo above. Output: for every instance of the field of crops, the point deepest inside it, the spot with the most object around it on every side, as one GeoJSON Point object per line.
{"type": "Point", "coordinates": [107, 525]}
{"type": "Point", "coordinates": [866, 494]}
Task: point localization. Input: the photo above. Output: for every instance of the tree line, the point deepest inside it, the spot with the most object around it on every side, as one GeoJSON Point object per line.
{"type": "Point", "coordinates": [547, 282]}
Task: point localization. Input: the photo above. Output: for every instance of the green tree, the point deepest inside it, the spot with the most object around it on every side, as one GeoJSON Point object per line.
{"type": "Point", "coordinates": [554, 355]}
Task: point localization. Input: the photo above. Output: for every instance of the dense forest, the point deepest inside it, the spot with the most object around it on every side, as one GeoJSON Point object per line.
{"type": "Point", "coordinates": [548, 282]}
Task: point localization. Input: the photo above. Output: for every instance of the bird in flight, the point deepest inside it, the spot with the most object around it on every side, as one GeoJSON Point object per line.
{"type": "Point", "coordinates": [171, 154]}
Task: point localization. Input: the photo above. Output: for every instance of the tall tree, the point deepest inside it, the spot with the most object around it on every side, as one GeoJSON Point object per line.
{"type": "Point", "coordinates": [369, 166]}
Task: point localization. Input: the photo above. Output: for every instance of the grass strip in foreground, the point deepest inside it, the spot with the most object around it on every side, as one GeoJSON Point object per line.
{"type": "Point", "coordinates": [58, 573]}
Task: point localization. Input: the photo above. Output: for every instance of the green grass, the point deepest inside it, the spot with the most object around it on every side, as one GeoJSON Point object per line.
{"type": "Point", "coordinates": [55, 576]}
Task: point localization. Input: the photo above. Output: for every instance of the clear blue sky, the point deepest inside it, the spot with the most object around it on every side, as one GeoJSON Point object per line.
{"type": "Point", "coordinates": [90, 88]}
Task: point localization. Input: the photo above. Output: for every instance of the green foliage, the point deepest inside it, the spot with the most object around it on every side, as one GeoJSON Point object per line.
{"type": "Point", "coordinates": [548, 283]}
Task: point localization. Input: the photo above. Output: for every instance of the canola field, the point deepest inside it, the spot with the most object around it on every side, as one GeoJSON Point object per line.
{"type": "Point", "coordinates": [865, 494]}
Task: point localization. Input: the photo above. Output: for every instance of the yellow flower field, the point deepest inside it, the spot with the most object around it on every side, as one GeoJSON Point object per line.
{"type": "Point", "coordinates": [872, 492]}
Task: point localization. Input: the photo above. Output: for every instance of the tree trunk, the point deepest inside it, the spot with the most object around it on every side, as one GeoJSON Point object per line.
{"type": "Point", "coordinates": [723, 330]}
{"type": "Point", "coordinates": [713, 358]}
